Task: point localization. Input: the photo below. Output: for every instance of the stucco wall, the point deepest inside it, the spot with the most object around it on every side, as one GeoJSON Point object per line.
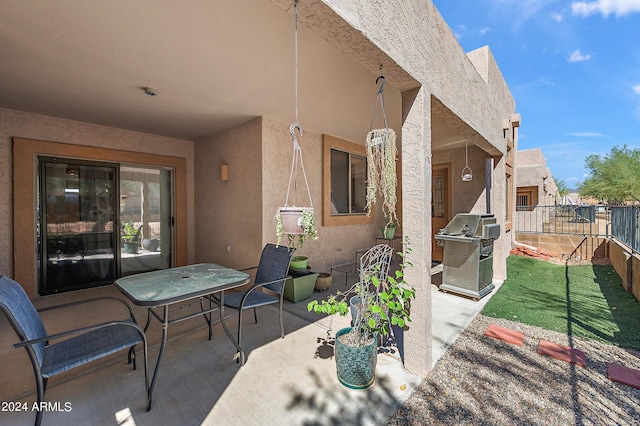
{"type": "Point", "coordinates": [240, 213]}
{"type": "Point", "coordinates": [33, 126]}
{"type": "Point", "coordinates": [468, 197]}
{"type": "Point", "coordinates": [335, 244]}
{"type": "Point", "coordinates": [532, 170]}
{"type": "Point", "coordinates": [228, 214]}
{"type": "Point", "coordinates": [627, 266]}
{"type": "Point", "coordinates": [621, 261]}
{"type": "Point", "coordinates": [564, 246]}
{"type": "Point", "coordinates": [530, 157]}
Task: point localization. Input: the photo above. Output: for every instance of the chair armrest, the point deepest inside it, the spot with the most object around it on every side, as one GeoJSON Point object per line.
{"type": "Point", "coordinates": [95, 299]}
{"type": "Point", "coordinates": [80, 331]}
{"type": "Point", "coordinates": [255, 286]}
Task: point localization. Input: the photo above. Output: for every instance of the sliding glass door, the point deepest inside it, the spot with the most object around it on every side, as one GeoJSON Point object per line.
{"type": "Point", "coordinates": [98, 221]}
{"type": "Point", "coordinates": [145, 218]}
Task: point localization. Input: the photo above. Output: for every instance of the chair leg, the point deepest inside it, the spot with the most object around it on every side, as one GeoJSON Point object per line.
{"type": "Point", "coordinates": [131, 356]}
{"type": "Point", "coordinates": [146, 372]}
{"type": "Point", "coordinates": [255, 315]}
{"type": "Point", "coordinates": [41, 386]}
{"type": "Point", "coordinates": [240, 330]}
{"type": "Point", "coordinates": [281, 322]}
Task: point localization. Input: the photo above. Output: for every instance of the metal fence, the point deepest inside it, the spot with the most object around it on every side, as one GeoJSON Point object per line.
{"type": "Point", "coordinates": [620, 222]}
{"type": "Point", "coordinates": [625, 225]}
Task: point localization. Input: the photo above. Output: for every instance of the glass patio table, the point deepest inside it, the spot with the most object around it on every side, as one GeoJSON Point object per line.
{"type": "Point", "coordinates": [160, 289]}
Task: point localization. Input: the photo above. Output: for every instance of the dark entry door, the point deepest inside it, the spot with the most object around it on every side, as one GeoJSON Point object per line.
{"type": "Point", "coordinates": [440, 206]}
{"type": "Point", "coordinates": [77, 212]}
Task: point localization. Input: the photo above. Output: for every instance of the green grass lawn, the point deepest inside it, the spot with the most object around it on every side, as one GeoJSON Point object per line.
{"type": "Point", "coordinates": [582, 300]}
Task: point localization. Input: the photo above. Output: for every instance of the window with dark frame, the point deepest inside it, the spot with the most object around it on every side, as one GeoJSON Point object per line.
{"type": "Point", "coordinates": [348, 183]}
{"type": "Point", "coordinates": [344, 183]}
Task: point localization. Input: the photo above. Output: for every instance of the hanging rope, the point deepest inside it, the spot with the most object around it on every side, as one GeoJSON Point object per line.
{"type": "Point", "coordinates": [295, 48]}
{"type": "Point", "coordinates": [297, 150]}
{"type": "Point", "coordinates": [297, 159]}
{"type": "Point", "coordinates": [380, 101]}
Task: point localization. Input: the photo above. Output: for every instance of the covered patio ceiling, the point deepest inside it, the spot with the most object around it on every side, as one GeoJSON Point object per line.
{"type": "Point", "coordinates": [215, 64]}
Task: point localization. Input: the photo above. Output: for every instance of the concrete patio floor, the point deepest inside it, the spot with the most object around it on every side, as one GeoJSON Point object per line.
{"type": "Point", "coordinates": [284, 381]}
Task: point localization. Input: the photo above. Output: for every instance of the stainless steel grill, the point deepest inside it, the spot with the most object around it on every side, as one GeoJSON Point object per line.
{"type": "Point", "coordinates": [467, 266]}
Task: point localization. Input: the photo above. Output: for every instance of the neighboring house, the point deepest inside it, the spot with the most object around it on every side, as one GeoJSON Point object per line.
{"type": "Point", "coordinates": [72, 104]}
{"type": "Point", "coordinates": [536, 190]}
{"type": "Point", "coordinates": [534, 184]}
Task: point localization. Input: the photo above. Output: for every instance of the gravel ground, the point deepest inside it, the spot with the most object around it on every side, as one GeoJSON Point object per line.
{"type": "Point", "coordinates": [484, 381]}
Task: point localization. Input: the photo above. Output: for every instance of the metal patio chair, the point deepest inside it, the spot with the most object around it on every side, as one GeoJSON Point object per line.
{"type": "Point", "coordinates": [81, 345]}
{"type": "Point", "coordinates": [272, 272]}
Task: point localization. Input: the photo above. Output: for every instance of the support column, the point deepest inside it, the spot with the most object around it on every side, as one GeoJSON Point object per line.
{"type": "Point", "coordinates": [416, 225]}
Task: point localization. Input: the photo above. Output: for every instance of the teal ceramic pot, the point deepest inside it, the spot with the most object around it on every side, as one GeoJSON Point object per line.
{"type": "Point", "coordinates": [356, 366]}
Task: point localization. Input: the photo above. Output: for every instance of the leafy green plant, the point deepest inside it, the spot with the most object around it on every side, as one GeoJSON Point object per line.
{"type": "Point", "coordinates": [129, 233]}
{"type": "Point", "coordinates": [383, 303]}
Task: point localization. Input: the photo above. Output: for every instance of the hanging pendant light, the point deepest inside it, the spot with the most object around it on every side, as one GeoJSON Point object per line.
{"type": "Point", "coordinates": [467, 174]}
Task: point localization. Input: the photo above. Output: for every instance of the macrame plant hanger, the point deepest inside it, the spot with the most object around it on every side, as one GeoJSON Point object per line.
{"type": "Point", "coordinates": [381, 162]}
{"type": "Point", "coordinates": [293, 220]}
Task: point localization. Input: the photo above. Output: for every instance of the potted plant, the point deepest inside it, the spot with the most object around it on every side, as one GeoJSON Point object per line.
{"type": "Point", "coordinates": [323, 282]}
{"type": "Point", "coordinates": [130, 238]}
{"type": "Point", "coordinates": [381, 163]}
{"type": "Point", "coordinates": [384, 301]}
{"type": "Point", "coordinates": [151, 244]}
{"type": "Point", "coordinates": [297, 226]}
{"type": "Point", "coordinates": [389, 230]}
{"type": "Point", "coordinates": [300, 285]}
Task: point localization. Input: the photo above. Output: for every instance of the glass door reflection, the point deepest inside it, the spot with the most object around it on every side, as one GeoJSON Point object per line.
{"type": "Point", "coordinates": [77, 236]}
{"type": "Point", "coordinates": [145, 219]}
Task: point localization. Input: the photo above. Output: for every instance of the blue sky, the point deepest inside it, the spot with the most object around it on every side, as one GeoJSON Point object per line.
{"type": "Point", "coordinates": [573, 68]}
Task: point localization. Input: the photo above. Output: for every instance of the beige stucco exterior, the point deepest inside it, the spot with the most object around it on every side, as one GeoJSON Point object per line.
{"type": "Point", "coordinates": [535, 184]}
{"type": "Point", "coordinates": [532, 171]}
{"type": "Point", "coordinates": [437, 98]}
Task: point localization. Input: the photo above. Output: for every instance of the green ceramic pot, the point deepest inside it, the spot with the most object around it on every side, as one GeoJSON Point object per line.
{"type": "Point", "coordinates": [131, 248]}
{"type": "Point", "coordinates": [298, 262]}
{"type": "Point", "coordinates": [389, 232]}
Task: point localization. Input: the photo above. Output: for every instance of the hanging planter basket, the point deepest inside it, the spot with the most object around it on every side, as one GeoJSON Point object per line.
{"type": "Point", "coordinates": [297, 223]}
{"type": "Point", "coordinates": [291, 218]}
{"type": "Point", "coordinates": [381, 164]}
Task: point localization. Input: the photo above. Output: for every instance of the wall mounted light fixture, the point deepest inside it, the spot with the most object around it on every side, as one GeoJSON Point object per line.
{"type": "Point", "coordinates": [467, 174]}
{"type": "Point", "coordinates": [224, 172]}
